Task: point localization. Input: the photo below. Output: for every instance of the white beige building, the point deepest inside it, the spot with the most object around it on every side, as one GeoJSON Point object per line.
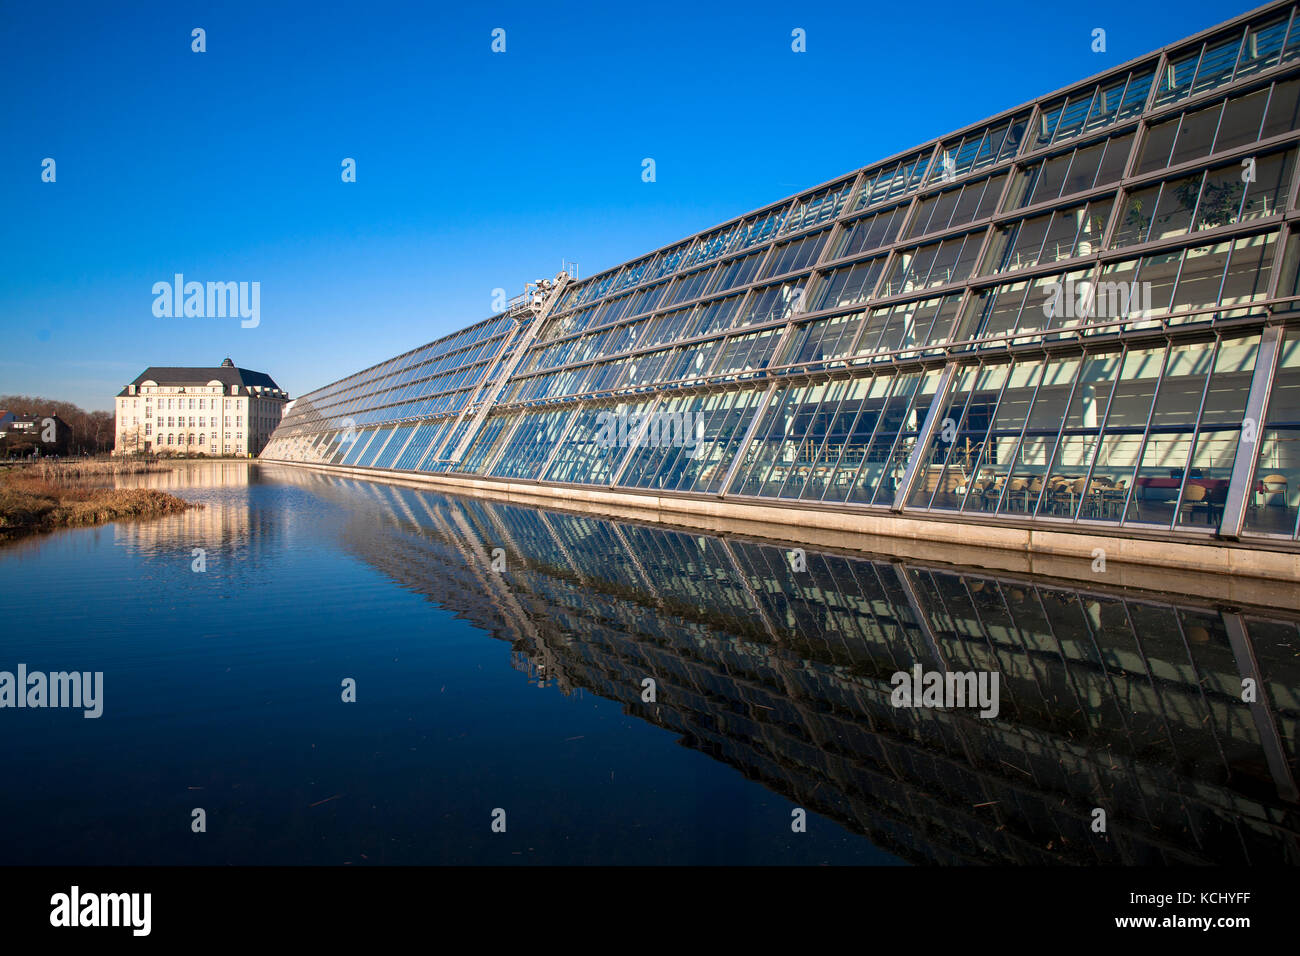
{"type": "Point", "coordinates": [211, 411]}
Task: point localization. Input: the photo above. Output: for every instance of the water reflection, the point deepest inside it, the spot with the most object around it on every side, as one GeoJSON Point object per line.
{"type": "Point", "coordinates": [1124, 701]}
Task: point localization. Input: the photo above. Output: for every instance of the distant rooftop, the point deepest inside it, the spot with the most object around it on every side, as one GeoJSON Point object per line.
{"type": "Point", "coordinates": [227, 373]}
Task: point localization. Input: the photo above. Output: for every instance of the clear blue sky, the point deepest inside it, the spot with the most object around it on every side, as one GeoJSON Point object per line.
{"type": "Point", "coordinates": [475, 170]}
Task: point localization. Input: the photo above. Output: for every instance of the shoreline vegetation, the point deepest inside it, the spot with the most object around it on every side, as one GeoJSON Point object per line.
{"type": "Point", "coordinates": [46, 496]}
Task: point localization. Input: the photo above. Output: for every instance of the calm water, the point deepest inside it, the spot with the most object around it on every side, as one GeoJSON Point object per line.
{"type": "Point", "coordinates": [521, 689]}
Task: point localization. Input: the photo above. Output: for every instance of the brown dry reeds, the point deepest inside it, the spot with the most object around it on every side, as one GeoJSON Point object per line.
{"type": "Point", "coordinates": [91, 468]}
{"type": "Point", "coordinates": [34, 500]}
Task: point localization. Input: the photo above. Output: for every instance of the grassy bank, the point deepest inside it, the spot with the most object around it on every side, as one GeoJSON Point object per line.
{"type": "Point", "coordinates": [80, 468]}
{"type": "Point", "coordinates": [49, 495]}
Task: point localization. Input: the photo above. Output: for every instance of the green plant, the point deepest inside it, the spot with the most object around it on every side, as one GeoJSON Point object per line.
{"type": "Point", "coordinates": [1219, 203]}
{"type": "Point", "coordinates": [1135, 219]}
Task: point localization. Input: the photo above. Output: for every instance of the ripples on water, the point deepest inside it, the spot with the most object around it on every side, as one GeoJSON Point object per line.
{"type": "Point", "coordinates": [222, 691]}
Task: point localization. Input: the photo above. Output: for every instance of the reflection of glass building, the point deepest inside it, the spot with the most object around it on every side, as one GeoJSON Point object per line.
{"type": "Point", "coordinates": [1081, 312]}
{"type": "Point", "coordinates": [1110, 699]}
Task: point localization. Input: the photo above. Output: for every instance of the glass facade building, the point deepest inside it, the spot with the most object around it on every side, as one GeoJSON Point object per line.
{"type": "Point", "coordinates": [1082, 312]}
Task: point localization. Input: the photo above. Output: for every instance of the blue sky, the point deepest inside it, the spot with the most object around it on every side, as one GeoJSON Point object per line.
{"type": "Point", "coordinates": [475, 170]}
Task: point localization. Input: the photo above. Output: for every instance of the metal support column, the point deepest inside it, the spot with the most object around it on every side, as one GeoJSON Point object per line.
{"type": "Point", "coordinates": [923, 439]}
{"type": "Point", "coordinates": [1241, 486]}
{"type": "Point", "coordinates": [1270, 740]}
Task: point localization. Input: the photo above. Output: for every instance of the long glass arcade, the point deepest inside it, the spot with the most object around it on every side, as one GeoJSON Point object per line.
{"type": "Point", "coordinates": [1080, 311]}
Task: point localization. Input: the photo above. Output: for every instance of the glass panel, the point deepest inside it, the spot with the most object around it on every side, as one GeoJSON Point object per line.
{"type": "Point", "coordinates": [1201, 278]}
{"type": "Point", "coordinates": [1176, 80]}
{"type": "Point", "coordinates": [395, 445]}
{"type": "Point", "coordinates": [367, 457]}
{"type": "Point", "coordinates": [490, 436]}
{"type": "Point", "coordinates": [1105, 107]}
{"type": "Point", "coordinates": [768, 458]}
{"type": "Point", "coordinates": [1196, 134]}
{"type": "Point", "coordinates": [892, 446]}
{"type": "Point", "coordinates": [988, 203]}
{"type": "Point", "coordinates": [1117, 152]}
{"type": "Point", "coordinates": [775, 302]}
{"type": "Point", "coordinates": [793, 256]}
{"type": "Point", "coordinates": [1016, 246]}
{"type": "Point", "coordinates": [1135, 218]}
{"type": "Point", "coordinates": [1157, 144]}
{"type": "Point", "coordinates": [357, 448]}
{"type": "Point", "coordinates": [425, 436]}
{"type": "Point", "coordinates": [871, 232]}
{"type": "Point", "coordinates": [819, 342]}
{"type": "Point", "coordinates": [848, 285]}
{"type": "Point", "coordinates": [807, 448]}
{"type": "Point", "coordinates": [962, 433]}
{"type": "Point", "coordinates": [934, 212]}
{"type": "Point", "coordinates": [1263, 46]}
{"type": "Point", "coordinates": [1169, 442]}
{"type": "Point", "coordinates": [596, 443]}
{"type": "Point", "coordinates": [712, 317]}
{"type": "Point", "coordinates": [1206, 488]}
{"type": "Point", "coordinates": [531, 444]}
{"type": "Point", "coordinates": [1117, 454]}
{"type": "Point", "coordinates": [723, 434]}
{"type": "Point", "coordinates": [1247, 276]}
{"type": "Point", "coordinates": [1241, 119]}
{"type": "Point", "coordinates": [744, 354]}
{"type": "Point", "coordinates": [1015, 486]}
{"type": "Point", "coordinates": [1136, 94]}
{"type": "Point", "coordinates": [1156, 277]}
{"type": "Point", "coordinates": [1177, 203]}
{"type": "Point", "coordinates": [1102, 497]}
{"type": "Point", "coordinates": [1072, 117]}
{"type": "Point", "coordinates": [1283, 110]}
{"type": "Point", "coordinates": [1268, 194]}
{"type": "Point", "coordinates": [1083, 168]}
{"type": "Point", "coordinates": [1217, 63]}
{"type": "Point", "coordinates": [986, 469]}
{"type": "Point", "coordinates": [737, 272]}
{"type": "Point", "coordinates": [993, 312]}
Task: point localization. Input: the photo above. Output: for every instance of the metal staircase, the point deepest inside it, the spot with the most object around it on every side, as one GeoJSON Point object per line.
{"type": "Point", "coordinates": [529, 311]}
